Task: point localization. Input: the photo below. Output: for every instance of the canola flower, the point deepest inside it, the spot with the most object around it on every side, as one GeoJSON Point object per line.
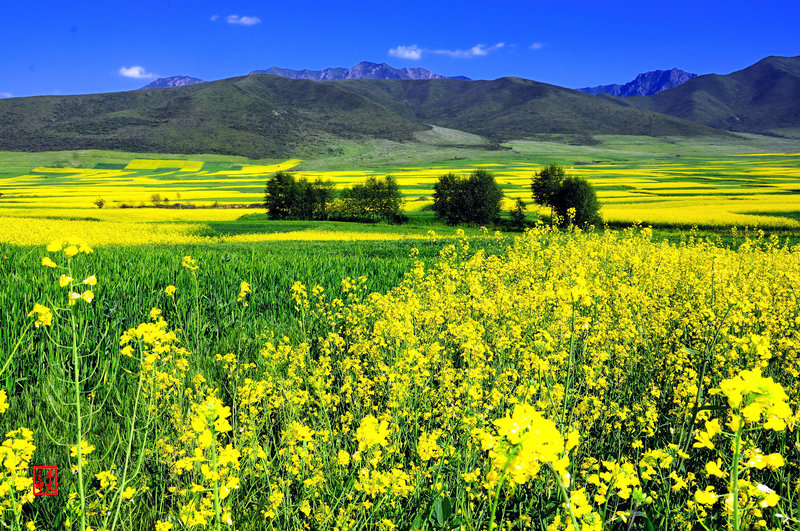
{"type": "Point", "coordinates": [558, 384]}
{"type": "Point", "coordinates": [16, 483]}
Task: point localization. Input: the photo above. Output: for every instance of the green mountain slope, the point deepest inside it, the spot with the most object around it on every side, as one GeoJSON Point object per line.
{"type": "Point", "coordinates": [763, 98]}
{"type": "Point", "coordinates": [255, 116]}
{"type": "Point", "coordinates": [511, 108]}
{"type": "Point", "coordinates": [268, 116]}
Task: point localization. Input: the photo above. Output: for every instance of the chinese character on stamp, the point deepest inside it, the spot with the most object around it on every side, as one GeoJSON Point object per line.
{"type": "Point", "coordinates": [45, 481]}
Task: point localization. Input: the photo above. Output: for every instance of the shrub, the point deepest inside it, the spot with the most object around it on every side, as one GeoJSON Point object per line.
{"type": "Point", "coordinates": [287, 198]}
{"type": "Point", "coordinates": [545, 184]}
{"type": "Point", "coordinates": [376, 199]}
{"type": "Point", "coordinates": [280, 195]}
{"type": "Point", "coordinates": [518, 215]}
{"type": "Point", "coordinates": [575, 202]}
{"type": "Point", "coordinates": [475, 199]}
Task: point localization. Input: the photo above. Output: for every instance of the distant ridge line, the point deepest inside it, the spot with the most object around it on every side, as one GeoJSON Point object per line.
{"type": "Point", "coordinates": [363, 70]}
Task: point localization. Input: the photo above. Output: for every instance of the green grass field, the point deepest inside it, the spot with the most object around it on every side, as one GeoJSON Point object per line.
{"type": "Point", "coordinates": [480, 289]}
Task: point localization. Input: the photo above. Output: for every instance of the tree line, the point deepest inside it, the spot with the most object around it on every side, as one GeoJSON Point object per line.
{"type": "Point", "coordinates": [378, 199]}
{"type": "Point", "coordinates": [475, 199]}
{"type": "Point", "coordinates": [478, 198]}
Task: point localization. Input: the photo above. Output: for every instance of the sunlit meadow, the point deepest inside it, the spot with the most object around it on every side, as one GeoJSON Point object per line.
{"type": "Point", "coordinates": [735, 190]}
{"type": "Point", "coordinates": [559, 380]}
{"type": "Point", "coordinates": [203, 368]}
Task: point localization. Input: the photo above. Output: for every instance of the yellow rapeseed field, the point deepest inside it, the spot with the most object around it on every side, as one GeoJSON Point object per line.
{"type": "Point", "coordinates": [578, 381]}
{"type": "Point", "coordinates": [745, 190]}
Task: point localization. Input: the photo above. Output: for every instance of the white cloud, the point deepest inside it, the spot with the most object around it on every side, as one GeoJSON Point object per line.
{"type": "Point", "coordinates": [6, 95]}
{"type": "Point", "coordinates": [136, 72]}
{"type": "Point", "coordinates": [214, 18]}
{"type": "Point", "coordinates": [414, 52]}
{"type": "Point", "coordinates": [479, 50]}
{"type": "Point", "coordinates": [536, 46]}
{"type": "Point", "coordinates": [243, 21]}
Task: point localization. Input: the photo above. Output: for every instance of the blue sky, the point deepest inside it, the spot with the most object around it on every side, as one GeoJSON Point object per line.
{"type": "Point", "coordinates": [74, 47]}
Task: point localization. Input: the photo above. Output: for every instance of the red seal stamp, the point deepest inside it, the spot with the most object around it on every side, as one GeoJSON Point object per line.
{"type": "Point", "coordinates": [45, 481]}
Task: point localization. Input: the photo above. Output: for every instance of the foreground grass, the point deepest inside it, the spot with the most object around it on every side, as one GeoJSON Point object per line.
{"type": "Point", "coordinates": [483, 384]}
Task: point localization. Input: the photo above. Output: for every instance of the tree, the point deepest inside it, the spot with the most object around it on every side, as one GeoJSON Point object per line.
{"type": "Point", "coordinates": [280, 196]}
{"type": "Point", "coordinates": [545, 184]}
{"type": "Point", "coordinates": [485, 197]}
{"type": "Point", "coordinates": [287, 198]}
{"type": "Point", "coordinates": [448, 199]}
{"type": "Point", "coordinates": [374, 200]}
{"type": "Point", "coordinates": [518, 215]}
{"type": "Point", "coordinates": [575, 202]}
{"type": "Point", "coordinates": [475, 199]}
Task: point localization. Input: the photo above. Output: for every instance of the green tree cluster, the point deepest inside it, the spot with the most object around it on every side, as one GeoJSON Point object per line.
{"type": "Point", "coordinates": [288, 198]}
{"type": "Point", "coordinates": [571, 199]}
{"type": "Point", "coordinates": [377, 199]}
{"type": "Point", "coordinates": [475, 199]}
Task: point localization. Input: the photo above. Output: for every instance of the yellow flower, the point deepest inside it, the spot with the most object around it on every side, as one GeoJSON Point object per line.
{"type": "Point", "coordinates": [47, 262]}
{"type": "Point", "coordinates": [759, 396]}
{"type": "Point", "coordinates": [90, 281]}
{"type": "Point", "coordinates": [371, 433]}
{"type": "Point", "coordinates": [163, 526]}
{"type": "Point", "coordinates": [706, 497]}
{"type": "Point", "coordinates": [703, 440]}
{"type": "Point", "coordinates": [154, 313]}
{"type": "Point", "coordinates": [770, 497]}
{"type": "Point", "coordinates": [128, 493]}
{"type": "Point", "coordinates": [86, 449]}
{"type": "Point", "coordinates": [3, 401]}
{"type": "Point", "coordinates": [71, 251]}
{"type": "Point", "coordinates": [713, 469]}
{"type": "Point", "coordinates": [64, 281]}
{"type": "Point", "coordinates": [43, 315]}
{"type": "Point", "coordinates": [427, 448]}
{"type": "Point", "coordinates": [190, 263]}
{"type": "Point", "coordinates": [88, 296]}
{"type": "Point", "coordinates": [773, 461]}
{"type": "Point", "coordinates": [343, 458]}
{"type": "Point", "coordinates": [574, 438]}
{"type": "Point", "coordinates": [205, 439]}
{"type": "Point", "coordinates": [244, 290]}
{"type": "Point", "coordinates": [170, 290]}
{"type": "Point", "coordinates": [107, 479]}
{"type": "Point", "coordinates": [55, 246]}
{"type": "Point", "coordinates": [229, 456]}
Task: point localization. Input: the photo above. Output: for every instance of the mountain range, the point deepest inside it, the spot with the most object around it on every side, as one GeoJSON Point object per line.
{"type": "Point", "coordinates": [645, 84]}
{"type": "Point", "coordinates": [363, 70]}
{"type": "Point", "coordinates": [271, 116]}
{"type": "Point", "coordinates": [762, 98]}
{"type": "Point", "coordinates": [173, 81]}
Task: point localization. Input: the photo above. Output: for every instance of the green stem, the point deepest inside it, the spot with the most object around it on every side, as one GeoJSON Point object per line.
{"type": "Point", "coordinates": [77, 383]}
{"type": "Point", "coordinates": [197, 307]}
{"type": "Point", "coordinates": [128, 452]}
{"type": "Point", "coordinates": [735, 475]}
{"type": "Point", "coordinates": [571, 362]}
{"type": "Point", "coordinates": [565, 495]}
{"type": "Point", "coordinates": [12, 488]}
{"type": "Point", "coordinates": [495, 500]}
{"type": "Point", "coordinates": [216, 481]}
